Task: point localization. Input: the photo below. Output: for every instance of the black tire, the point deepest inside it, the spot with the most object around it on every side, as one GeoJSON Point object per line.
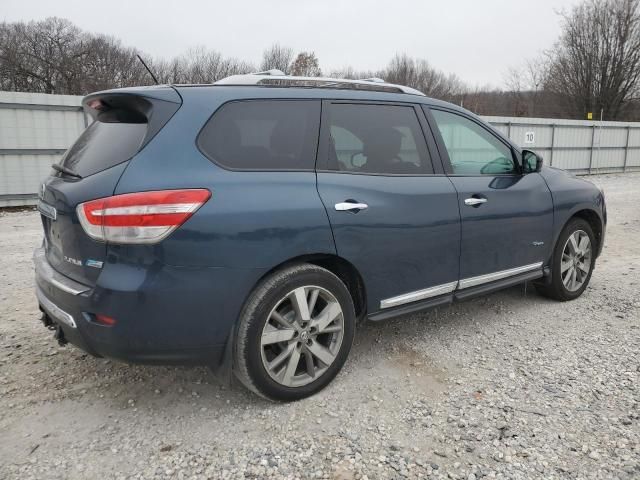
{"type": "Point", "coordinates": [556, 288]}
{"type": "Point", "coordinates": [249, 367]}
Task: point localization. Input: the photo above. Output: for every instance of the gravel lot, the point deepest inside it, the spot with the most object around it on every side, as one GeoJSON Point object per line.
{"type": "Point", "coordinates": [508, 386]}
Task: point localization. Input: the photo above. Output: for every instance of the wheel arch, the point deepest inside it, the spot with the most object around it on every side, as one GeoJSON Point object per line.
{"type": "Point", "coordinates": [337, 265]}
{"type": "Point", "coordinates": [595, 222]}
{"type": "Point", "coordinates": [592, 217]}
{"type": "Point", "coordinates": [547, 286]}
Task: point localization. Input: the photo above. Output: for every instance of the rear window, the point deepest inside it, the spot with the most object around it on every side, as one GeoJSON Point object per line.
{"type": "Point", "coordinates": [263, 135]}
{"type": "Point", "coordinates": [104, 145]}
{"type": "Point", "coordinates": [377, 139]}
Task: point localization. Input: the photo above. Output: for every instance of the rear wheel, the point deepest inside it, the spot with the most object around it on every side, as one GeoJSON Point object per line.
{"type": "Point", "coordinates": [295, 333]}
{"type": "Point", "coordinates": [573, 262]}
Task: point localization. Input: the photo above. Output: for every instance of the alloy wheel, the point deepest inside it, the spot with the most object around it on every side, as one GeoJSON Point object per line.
{"type": "Point", "coordinates": [576, 260]}
{"type": "Point", "coordinates": [302, 336]}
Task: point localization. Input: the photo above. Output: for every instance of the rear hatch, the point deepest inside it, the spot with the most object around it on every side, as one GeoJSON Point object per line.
{"type": "Point", "coordinates": [124, 121]}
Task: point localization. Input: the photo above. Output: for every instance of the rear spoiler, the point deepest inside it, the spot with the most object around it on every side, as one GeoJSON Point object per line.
{"type": "Point", "coordinates": [151, 105]}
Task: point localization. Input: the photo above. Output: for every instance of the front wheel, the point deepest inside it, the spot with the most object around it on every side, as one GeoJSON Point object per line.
{"type": "Point", "coordinates": [573, 262]}
{"type": "Point", "coordinates": [295, 333]}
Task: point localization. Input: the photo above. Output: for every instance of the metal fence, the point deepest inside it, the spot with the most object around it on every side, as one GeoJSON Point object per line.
{"type": "Point", "coordinates": [36, 129]}
{"type": "Point", "coordinates": [581, 146]}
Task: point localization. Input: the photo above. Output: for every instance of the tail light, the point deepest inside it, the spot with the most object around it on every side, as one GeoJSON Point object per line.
{"type": "Point", "coordinates": [144, 217]}
{"type": "Point", "coordinates": [104, 320]}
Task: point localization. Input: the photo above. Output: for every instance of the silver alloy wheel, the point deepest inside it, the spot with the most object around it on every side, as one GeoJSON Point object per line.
{"type": "Point", "coordinates": [576, 260]}
{"type": "Point", "coordinates": [302, 336]}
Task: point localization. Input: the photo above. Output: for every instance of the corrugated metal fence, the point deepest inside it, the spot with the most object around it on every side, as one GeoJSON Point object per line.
{"type": "Point", "coordinates": [36, 129]}
{"type": "Point", "coordinates": [578, 145]}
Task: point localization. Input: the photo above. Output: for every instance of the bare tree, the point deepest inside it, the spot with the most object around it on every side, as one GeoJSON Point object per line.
{"type": "Point", "coordinates": [595, 65]}
{"type": "Point", "coordinates": [109, 65]}
{"type": "Point", "coordinates": [402, 70]}
{"type": "Point", "coordinates": [353, 74]}
{"type": "Point", "coordinates": [200, 65]}
{"type": "Point", "coordinates": [54, 56]}
{"type": "Point", "coordinates": [306, 65]}
{"type": "Point", "coordinates": [418, 74]}
{"type": "Point", "coordinates": [277, 57]}
{"type": "Point", "coordinates": [596, 62]}
{"type": "Point", "coordinates": [516, 83]}
{"type": "Point", "coordinates": [41, 56]}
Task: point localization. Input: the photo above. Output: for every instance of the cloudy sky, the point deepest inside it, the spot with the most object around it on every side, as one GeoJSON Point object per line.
{"type": "Point", "coordinates": [476, 39]}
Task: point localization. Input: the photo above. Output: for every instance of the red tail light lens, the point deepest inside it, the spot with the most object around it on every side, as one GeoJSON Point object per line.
{"type": "Point", "coordinates": [104, 320]}
{"type": "Point", "coordinates": [144, 217]}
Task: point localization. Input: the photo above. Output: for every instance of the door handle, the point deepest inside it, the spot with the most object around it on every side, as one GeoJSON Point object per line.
{"type": "Point", "coordinates": [350, 206]}
{"type": "Point", "coordinates": [472, 202]}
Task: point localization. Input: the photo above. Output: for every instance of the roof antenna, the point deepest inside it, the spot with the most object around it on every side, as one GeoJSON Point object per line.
{"type": "Point", "coordinates": [148, 69]}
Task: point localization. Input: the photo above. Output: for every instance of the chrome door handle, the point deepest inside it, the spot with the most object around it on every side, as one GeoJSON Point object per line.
{"type": "Point", "coordinates": [348, 206]}
{"type": "Point", "coordinates": [474, 201]}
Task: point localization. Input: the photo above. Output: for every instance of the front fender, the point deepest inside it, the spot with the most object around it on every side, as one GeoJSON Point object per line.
{"type": "Point", "coordinates": [571, 196]}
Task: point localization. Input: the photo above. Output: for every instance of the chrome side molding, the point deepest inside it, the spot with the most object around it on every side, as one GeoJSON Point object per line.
{"type": "Point", "coordinates": [450, 287]}
{"type": "Point", "coordinates": [419, 295]}
{"type": "Point", "coordinates": [491, 277]}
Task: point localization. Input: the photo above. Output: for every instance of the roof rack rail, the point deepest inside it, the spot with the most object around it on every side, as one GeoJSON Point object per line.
{"type": "Point", "coordinates": [272, 72]}
{"type": "Point", "coordinates": [275, 78]}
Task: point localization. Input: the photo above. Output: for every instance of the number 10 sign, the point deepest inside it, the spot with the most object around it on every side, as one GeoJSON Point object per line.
{"type": "Point", "coordinates": [529, 137]}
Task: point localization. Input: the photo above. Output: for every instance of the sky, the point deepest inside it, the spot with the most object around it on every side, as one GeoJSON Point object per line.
{"type": "Point", "coordinates": [479, 40]}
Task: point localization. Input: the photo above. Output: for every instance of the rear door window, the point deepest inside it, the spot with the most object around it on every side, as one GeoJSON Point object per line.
{"type": "Point", "coordinates": [377, 139]}
{"type": "Point", "coordinates": [104, 145]}
{"type": "Point", "coordinates": [263, 135]}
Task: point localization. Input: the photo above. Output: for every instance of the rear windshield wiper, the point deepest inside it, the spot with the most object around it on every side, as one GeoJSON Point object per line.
{"type": "Point", "coordinates": [67, 171]}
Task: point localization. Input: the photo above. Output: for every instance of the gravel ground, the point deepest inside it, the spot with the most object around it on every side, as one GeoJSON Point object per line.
{"type": "Point", "coordinates": [508, 386]}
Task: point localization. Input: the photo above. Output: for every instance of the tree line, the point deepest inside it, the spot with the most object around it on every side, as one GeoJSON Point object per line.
{"type": "Point", "coordinates": [594, 66]}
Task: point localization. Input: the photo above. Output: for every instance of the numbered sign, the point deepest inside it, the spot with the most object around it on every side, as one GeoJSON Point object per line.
{"type": "Point", "coordinates": [529, 137]}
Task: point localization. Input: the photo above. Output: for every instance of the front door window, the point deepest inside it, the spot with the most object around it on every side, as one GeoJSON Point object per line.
{"type": "Point", "coordinates": [472, 149]}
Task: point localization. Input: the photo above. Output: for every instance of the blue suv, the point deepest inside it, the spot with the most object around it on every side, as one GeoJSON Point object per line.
{"type": "Point", "coordinates": [249, 225]}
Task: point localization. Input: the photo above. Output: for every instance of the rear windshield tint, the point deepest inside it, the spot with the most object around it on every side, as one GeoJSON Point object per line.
{"type": "Point", "coordinates": [104, 145]}
{"type": "Point", "coordinates": [263, 135]}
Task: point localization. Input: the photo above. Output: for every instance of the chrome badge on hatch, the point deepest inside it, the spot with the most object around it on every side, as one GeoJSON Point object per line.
{"type": "Point", "coordinates": [73, 261]}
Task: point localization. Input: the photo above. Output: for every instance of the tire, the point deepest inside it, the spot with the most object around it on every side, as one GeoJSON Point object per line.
{"type": "Point", "coordinates": [283, 354]}
{"type": "Point", "coordinates": [561, 287]}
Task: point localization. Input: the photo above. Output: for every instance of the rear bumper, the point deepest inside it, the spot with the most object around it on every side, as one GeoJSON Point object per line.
{"type": "Point", "coordinates": [164, 314]}
{"type": "Point", "coordinates": [55, 313]}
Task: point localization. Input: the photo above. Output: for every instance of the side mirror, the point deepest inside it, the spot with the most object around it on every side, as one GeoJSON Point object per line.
{"type": "Point", "coordinates": [531, 162]}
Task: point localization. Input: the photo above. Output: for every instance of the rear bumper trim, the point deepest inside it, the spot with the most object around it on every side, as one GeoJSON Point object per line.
{"type": "Point", "coordinates": [53, 310]}
{"type": "Point", "coordinates": [49, 275]}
